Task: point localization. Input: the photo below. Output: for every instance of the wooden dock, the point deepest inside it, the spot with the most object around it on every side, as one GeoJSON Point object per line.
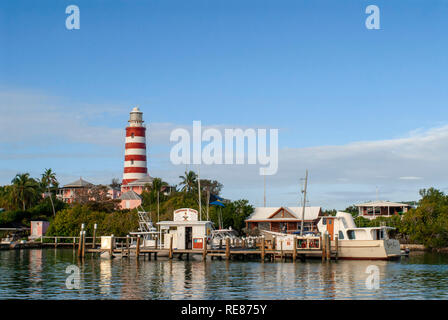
{"type": "Point", "coordinates": [261, 250]}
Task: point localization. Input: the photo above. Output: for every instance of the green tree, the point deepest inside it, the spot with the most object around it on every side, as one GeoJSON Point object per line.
{"type": "Point", "coordinates": [188, 181]}
{"type": "Point", "coordinates": [25, 189]}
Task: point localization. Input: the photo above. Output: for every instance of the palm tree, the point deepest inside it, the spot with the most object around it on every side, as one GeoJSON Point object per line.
{"type": "Point", "coordinates": [24, 189]}
{"type": "Point", "coordinates": [188, 181]}
{"type": "Point", "coordinates": [49, 178]}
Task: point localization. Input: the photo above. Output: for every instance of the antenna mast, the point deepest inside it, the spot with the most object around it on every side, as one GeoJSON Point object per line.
{"type": "Point", "coordinates": [199, 193]}
{"type": "Point", "coordinates": [304, 203]}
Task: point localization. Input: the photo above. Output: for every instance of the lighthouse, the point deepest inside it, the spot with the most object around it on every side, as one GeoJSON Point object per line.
{"type": "Point", "coordinates": [135, 167]}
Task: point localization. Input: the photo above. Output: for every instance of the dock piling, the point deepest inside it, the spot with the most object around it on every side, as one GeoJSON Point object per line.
{"type": "Point", "coordinates": [336, 245]}
{"type": "Point", "coordinates": [80, 244]}
{"type": "Point", "coordinates": [170, 255]}
{"type": "Point", "coordinates": [83, 244]}
{"type": "Point", "coordinates": [262, 248]}
{"type": "Point", "coordinates": [323, 241]}
{"type": "Point", "coordinates": [294, 249]}
{"type": "Point", "coordinates": [137, 249]}
{"type": "Point", "coordinates": [94, 236]}
{"type": "Point", "coordinates": [227, 248]}
{"type": "Point", "coordinates": [204, 249]}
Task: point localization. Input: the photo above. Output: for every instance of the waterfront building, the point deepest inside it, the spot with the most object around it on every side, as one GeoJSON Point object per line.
{"type": "Point", "coordinates": [284, 219]}
{"type": "Point", "coordinates": [68, 191]}
{"type": "Point", "coordinates": [38, 229]}
{"type": "Point", "coordinates": [375, 209]}
{"type": "Point", "coordinates": [186, 230]}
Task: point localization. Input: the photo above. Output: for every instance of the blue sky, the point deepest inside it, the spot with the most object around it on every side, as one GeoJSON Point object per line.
{"type": "Point", "coordinates": [309, 68]}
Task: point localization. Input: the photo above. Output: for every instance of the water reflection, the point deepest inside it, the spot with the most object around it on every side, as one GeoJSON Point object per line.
{"type": "Point", "coordinates": [40, 274]}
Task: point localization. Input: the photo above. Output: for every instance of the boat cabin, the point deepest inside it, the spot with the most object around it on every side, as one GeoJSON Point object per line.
{"type": "Point", "coordinates": [186, 230]}
{"type": "Point", "coordinates": [344, 227]}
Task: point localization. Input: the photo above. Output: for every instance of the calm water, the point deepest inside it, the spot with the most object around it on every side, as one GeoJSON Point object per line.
{"type": "Point", "coordinates": [40, 274]}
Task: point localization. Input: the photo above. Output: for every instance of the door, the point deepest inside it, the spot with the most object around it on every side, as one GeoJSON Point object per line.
{"type": "Point", "coordinates": [188, 237]}
{"type": "Point", "coordinates": [330, 227]}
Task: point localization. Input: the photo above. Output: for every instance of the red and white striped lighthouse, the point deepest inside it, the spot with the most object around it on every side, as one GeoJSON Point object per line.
{"type": "Point", "coordinates": [135, 148]}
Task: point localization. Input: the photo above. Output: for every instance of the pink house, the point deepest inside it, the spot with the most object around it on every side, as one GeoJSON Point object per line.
{"type": "Point", "coordinates": [130, 200]}
{"type": "Point", "coordinates": [67, 192]}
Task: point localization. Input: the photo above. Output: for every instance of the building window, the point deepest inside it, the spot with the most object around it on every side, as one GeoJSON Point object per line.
{"type": "Point", "coordinates": [324, 221]}
{"type": "Point", "coordinates": [341, 235]}
{"type": "Point", "coordinates": [132, 162]}
{"type": "Point", "coordinates": [132, 135]}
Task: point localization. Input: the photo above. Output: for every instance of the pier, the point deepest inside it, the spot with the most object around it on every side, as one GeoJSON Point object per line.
{"type": "Point", "coordinates": [259, 250]}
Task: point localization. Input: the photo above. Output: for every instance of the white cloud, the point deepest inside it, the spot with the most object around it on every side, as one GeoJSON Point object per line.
{"type": "Point", "coordinates": [339, 175]}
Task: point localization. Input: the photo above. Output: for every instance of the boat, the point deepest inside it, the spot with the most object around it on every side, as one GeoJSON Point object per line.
{"type": "Point", "coordinates": [359, 243]}
{"type": "Point", "coordinates": [218, 237]}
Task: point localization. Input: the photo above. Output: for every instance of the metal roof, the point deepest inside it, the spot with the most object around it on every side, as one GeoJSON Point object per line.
{"type": "Point", "coordinates": [78, 184]}
{"type": "Point", "coordinates": [382, 204]}
{"type": "Point", "coordinates": [263, 213]}
{"type": "Point", "coordinates": [130, 195]}
{"type": "Point", "coordinates": [141, 182]}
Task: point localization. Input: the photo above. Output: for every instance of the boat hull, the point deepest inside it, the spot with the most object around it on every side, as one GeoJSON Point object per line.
{"type": "Point", "coordinates": [369, 249]}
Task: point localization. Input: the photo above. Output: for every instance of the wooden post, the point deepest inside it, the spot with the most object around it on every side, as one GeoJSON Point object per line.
{"type": "Point", "coordinates": [227, 248]}
{"type": "Point", "coordinates": [80, 244]}
{"type": "Point", "coordinates": [111, 249]}
{"type": "Point", "coordinates": [157, 242]}
{"type": "Point", "coordinates": [323, 240]}
{"type": "Point", "coordinates": [336, 242]}
{"type": "Point", "coordinates": [204, 249]}
{"type": "Point", "coordinates": [171, 247]}
{"type": "Point", "coordinates": [281, 250]}
{"type": "Point", "coordinates": [94, 236]}
{"type": "Point", "coordinates": [328, 246]}
{"type": "Point", "coordinates": [74, 242]}
{"type": "Point", "coordinates": [220, 244]}
{"type": "Point", "coordinates": [137, 249]}
{"type": "Point", "coordinates": [262, 249]}
{"type": "Point", "coordinates": [83, 244]}
{"type": "Point", "coordinates": [294, 249]}
{"type": "Point", "coordinates": [244, 243]}
{"type": "Point", "coordinates": [55, 242]}
{"type": "Point", "coordinates": [127, 246]}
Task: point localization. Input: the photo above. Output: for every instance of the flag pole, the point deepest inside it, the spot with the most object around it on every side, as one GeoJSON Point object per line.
{"type": "Point", "coordinates": [304, 204]}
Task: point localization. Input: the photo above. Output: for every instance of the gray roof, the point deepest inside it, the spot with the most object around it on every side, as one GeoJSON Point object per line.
{"type": "Point", "coordinates": [130, 195]}
{"type": "Point", "coordinates": [380, 203]}
{"type": "Point", "coordinates": [78, 184]}
{"type": "Point", "coordinates": [142, 181]}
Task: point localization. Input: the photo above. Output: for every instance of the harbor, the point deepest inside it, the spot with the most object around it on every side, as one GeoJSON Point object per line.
{"type": "Point", "coordinates": [41, 274]}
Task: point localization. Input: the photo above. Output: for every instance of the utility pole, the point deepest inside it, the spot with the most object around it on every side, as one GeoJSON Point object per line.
{"type": "Point", "coordinates": [158, 206]}
{"type": "Point", "coordinates": [304, 203]}
{"type": "Point", "coordinates": [208, 202]}
{"type": "Point", "coordinates": [199, 194]}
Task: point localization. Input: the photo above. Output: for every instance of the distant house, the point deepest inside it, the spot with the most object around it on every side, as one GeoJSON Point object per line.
{"type": "Point", "coordinates": [284, 219]}
{"type": "Point", "coordinates": [130, 200]}
{"type": "Point", "coordinates": [137, 186]}
{"type": "Point", "coordinates": [140, 185]}
{"type": "Point", "coordinates": [67, 192]}
{"type": "Point", "coordinates": [375, 209]}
